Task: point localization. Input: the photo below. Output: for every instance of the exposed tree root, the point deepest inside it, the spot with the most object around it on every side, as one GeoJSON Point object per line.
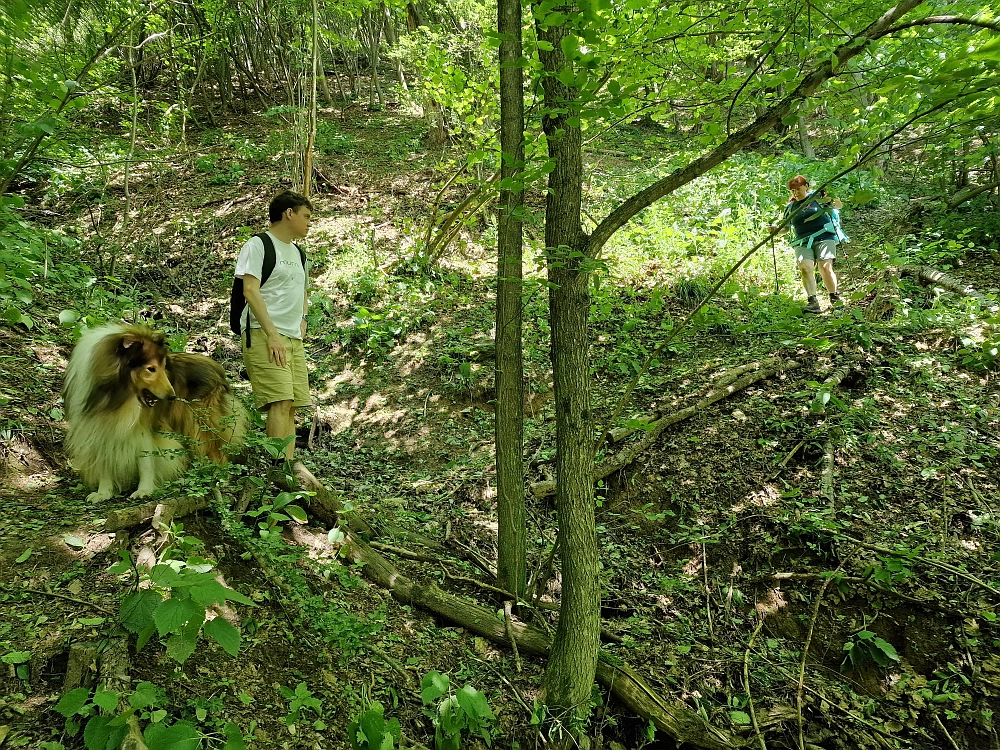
{"type": "Point", "coordinates": [627, 455]}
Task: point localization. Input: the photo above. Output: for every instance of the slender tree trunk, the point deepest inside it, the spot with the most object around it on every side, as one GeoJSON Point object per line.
{"type": "Point", "coordinates": [307, 168]}
{"type": "Point", "coordinates": [512, 531]}
{"type": "Point", "coordinates": [392, 39]}
{"type": "Point", "coordinates": [804, 140]}
{"type": "Point", "coordinates": [573, 663]}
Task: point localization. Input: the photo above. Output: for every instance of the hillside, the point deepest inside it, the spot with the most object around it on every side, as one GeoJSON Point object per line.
{"type": "Point", "coordinates": [811, 550]}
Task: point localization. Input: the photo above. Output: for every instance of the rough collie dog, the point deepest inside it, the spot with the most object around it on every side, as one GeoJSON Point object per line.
{"type": "Point", "coordinates": [129, 404]}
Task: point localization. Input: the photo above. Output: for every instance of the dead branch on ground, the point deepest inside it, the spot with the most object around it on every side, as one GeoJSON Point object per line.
{"type": "Point", "coordinates": [627, 455]}
{"type": "Point", "coordinates": [720, 380]}
{"type": "Point", "coordinates": [825, 392]}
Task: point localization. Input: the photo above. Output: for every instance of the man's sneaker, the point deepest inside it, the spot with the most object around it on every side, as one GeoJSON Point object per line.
{"type": "Point", "coordinates": [812, 308]}
{"type": "Point", "coordinates": [836, 301]}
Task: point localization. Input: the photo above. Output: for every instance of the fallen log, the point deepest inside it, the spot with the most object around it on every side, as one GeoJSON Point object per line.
{"type": "Point", "coordinates": [929, 275]}
{"type": "Point", "coordinates": [627, 455]}
{"type": "Point", "coordinates": [825, 392]}
{"type": "Point", "coordinates": [326, 506]}
{"type": "Point", "coordinates": [126, 518]}
{"type": "Point", "coordinates": [967, 194]}
{"type": "Point", "coordinates": [681, 724]}
{"type": "Point", "coordinates": [719, 380]}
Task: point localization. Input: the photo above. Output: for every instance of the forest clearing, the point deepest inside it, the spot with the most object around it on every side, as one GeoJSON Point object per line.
{"type": "Point", "coordinates": [603, 450]}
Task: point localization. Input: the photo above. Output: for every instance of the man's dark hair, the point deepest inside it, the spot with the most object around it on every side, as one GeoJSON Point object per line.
{"type": "Point", "coordinates": [284, 201]}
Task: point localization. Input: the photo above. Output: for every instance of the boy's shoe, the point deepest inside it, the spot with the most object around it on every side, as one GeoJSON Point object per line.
{"type": "Point", "coordinates": [812, 308]}
{"type": "Point", "coordinates": [836, 301]}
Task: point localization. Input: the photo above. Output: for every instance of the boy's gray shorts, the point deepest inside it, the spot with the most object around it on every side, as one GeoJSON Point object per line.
{"type": "Point", "coordinates": [820, 250]}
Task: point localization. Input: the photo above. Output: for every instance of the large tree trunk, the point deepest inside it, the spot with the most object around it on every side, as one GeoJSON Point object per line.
{"type": "Point", "coordinates": [574, 649]}
{"type": "Point", "coordinates": [512, 529]}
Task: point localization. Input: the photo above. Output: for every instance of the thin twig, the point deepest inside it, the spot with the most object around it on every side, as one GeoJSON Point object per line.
{"type": "Point", "coordinates": [53, 594]}
{"type": "Point", "coordinates": [746, 683]}
{"type": "Point", "coordinates": [946, 733]}
{"type": "Point", "coordinates": [805, 649]}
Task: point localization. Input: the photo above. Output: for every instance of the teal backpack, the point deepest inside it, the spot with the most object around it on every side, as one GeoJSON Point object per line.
{"type": "Point", "coordinates": [831, 225]}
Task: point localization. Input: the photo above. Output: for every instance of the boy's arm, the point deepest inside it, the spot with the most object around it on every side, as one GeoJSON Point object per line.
{"type": "Point", "coordinates": [275, 348]}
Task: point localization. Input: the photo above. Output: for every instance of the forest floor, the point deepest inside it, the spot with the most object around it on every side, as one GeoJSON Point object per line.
{"type": "Point", "coordinates": [864, 532]}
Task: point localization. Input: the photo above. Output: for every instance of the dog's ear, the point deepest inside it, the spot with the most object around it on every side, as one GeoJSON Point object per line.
{"type": "Point", "coordinates": [129, 340]}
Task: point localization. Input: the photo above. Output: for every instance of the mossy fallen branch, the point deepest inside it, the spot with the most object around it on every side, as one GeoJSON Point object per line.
{"type": "Point", "coordinates": [627, 455]}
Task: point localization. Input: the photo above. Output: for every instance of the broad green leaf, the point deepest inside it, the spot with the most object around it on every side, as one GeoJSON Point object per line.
{"type": "Point", "coordinates": [887, 648]}
{"type": "Point", "coordinates": [372, 725]}
{"type": "Point", "coordinates": [296, 513]}
{"type": "Point", "coordinates": [24, 556]}
{"type": "Point", "coordinates": [68, 317]}
{"type": "Point", "coordinates": [106, 700]}
{"type": "Point", "coordinates": [224, 634]}
{"type": "Point", "coordinates": [234, 738]}
{"type": "Point", "coordinates": [146, 695]}
{"type": "Point", "coordinates": [174, 614]}
{"type": "Point", "coordinates": [16, 657]}
{"type": "Point", "coordinates": [433, 686]}
{"type": "Point", "coordinates": [98, 734]}
{"type": "Point", "coordinates": [144, 634]}
{"type": "Point", "coordinates": [180, 736]}
{"type": "Point", "coordinates": [71, 703]}
{"type": "Point", "coordinates": [181, 645]}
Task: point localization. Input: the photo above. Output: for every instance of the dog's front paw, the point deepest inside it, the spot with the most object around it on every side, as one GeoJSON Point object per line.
{"type": "Point", "coordinates": [142, 492]}
{"type": "Point", "coordinates": [99, 496]}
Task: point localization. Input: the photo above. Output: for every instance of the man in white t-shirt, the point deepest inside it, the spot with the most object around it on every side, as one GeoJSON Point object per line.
{"type": "Point", "coordinates": [275, 359]}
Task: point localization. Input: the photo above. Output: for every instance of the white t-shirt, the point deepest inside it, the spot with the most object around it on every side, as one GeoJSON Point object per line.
{"type": "Point", "coordinates": [284, 290]}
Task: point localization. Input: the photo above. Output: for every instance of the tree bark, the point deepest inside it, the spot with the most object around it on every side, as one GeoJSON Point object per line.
{"type": "Point", "coordinates": [509, 379]}
{"type": "Point", "coordinates": [968, 194]}
{"type": "Point", "coordinates": [804, 140]}
{"type": "Point", "coordinates": [574, 650]}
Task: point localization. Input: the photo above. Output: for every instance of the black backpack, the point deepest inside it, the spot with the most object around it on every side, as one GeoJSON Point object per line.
{"type": "Point", "coordinates": [237, 302]}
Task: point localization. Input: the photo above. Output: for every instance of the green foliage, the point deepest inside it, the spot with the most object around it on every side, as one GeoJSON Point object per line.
{"type": "Point", "coordinates": [299, 701]}
{"type": "Point", "coordinates": [332, 141]}
{"type": "Point", "coordinates": [371, 731]}
{"type": "Point", "coordinates": [26, 264]}
{"type": "Point", "coordinates": [19, 660]}
{"type": "Point", "coordinates": [279, 511]}
{"type": "Point", "coordinates": [454, 714]}
{"type": "Point", "coordinates": [865, 647]}
{"type": "Point", "coordinates": [174, 600]}
{"type": "Point", "coordinates": [144, 706]}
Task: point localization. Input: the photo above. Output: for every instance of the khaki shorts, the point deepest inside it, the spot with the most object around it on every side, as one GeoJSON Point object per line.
{"type": "Point", "coordinates": [820, 250]}
{"type": "Point", "coordinates": [271, 383]}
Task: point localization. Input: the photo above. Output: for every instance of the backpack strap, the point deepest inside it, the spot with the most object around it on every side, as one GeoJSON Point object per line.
{"type": "Point", "coordinates": [267, 268]}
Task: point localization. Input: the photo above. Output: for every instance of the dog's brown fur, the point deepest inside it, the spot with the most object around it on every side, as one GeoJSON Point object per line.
{"type": "Point", "coordinates": [125, 394]}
